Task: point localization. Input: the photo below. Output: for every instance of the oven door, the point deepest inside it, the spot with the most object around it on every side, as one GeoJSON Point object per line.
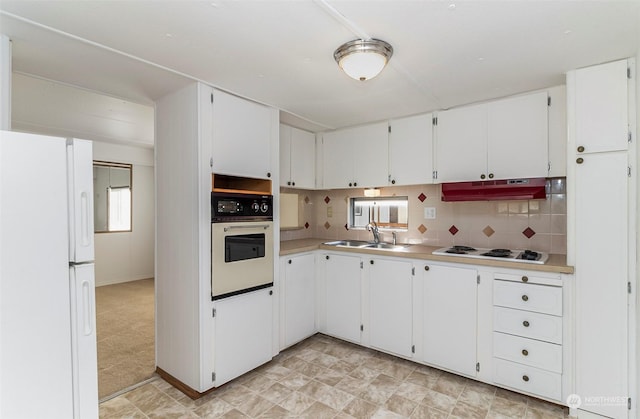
{"type": "Point", "coordinates": [242, 257]}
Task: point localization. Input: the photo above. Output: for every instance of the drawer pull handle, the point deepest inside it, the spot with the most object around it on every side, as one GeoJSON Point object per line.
{"type": "Point", "coordinates": [525, 323]}
{"type": "Point", "coordinates": [525, 352]}
{"type": "Point", "coordinates": [525, 279]}
{"type": "Point", "coordinates": [525, 378]}
{"type": "Point", "coordinates": [525, 298]}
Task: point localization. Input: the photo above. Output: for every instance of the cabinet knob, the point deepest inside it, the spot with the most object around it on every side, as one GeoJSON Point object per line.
{"type": "Point", "coordinates": [393, 182]}
{"type": "Point", "coordinates": [293, 183]}
{"type": "Point", "coordinates": [371, 262]}
{"type": "Point", "coordinates": [288, 183]}
{"type": "Point", "coordinates": [482, 176]}
{"type": "Point", "coordinates": [355, 183]}
{"type": "Point", "coordinates": [271, 292]}
{"type": "Point", "coordinates": [525, 378]}
{"type": "Point", "coordinates": [268, 174]}
{"type": "Point", "coordinates": [525, 352]}
{"type": "Point", "coordinates": [525, 279]}
{"type": "Point", "coordinates": [490, 175]}
{"type": "Point", "coordinates": [426, 268]}
{"type": "Point", "coordinates": [581, 149]}
{"type": "Point", "coordinates": [525, 298]}
{"type": "Point", "coordinates": [525, 323]}
{"type": "Point", "coordinates": [350, 184]}
{"type": "Point", "coordinates": [579, 160]}
{"type": "Point", "coordinates": [327, 257]}
{"type": "Point", "coordinates": [289, 261]}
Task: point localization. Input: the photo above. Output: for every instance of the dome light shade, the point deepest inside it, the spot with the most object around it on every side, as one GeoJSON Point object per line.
{"type": "Point", "coordinates": [363, 59]}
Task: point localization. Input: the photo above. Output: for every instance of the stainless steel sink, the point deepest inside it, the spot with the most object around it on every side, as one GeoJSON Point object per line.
{"type": "Point", "coordinates": [359, 244]}
{"type": "Point", "coordinates": [387, 246]}
{"type": "Point", "coordinates": [348, 243]}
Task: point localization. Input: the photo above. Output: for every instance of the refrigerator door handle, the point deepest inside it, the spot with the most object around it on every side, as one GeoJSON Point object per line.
{"type": "Point", "coordinates": [87, 302]}
{"type": "Point", "coordinates": [86, 232]}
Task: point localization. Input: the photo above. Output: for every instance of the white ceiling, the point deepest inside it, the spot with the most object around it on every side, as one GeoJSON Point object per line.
{"type": "Point", "coordinates": [446, 53]}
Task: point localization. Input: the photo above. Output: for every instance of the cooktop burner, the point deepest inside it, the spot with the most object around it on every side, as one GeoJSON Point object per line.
{"type": "Point", "coordinates": [498, 253]}
{"type": "Point", "coordinates": [525, 256]}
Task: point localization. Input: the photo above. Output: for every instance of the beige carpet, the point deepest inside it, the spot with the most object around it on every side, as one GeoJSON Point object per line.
{"type": "Point", "coordinates": [126, 335]}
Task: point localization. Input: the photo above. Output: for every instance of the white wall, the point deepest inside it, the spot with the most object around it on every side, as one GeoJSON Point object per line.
{"type": "Point", "coordinates": [127, 256]}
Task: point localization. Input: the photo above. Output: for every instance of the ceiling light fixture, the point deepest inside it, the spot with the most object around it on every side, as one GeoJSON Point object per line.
{"type": "Point", "coordinates": [363, 59]}
{"type": "Point", "coordinates": [371, 192]}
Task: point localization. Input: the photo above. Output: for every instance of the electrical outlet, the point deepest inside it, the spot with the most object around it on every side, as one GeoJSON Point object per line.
{"type": "Point", "coordinates": [329, 212]}
{"type": "Point", "coordinates": [429, 213]}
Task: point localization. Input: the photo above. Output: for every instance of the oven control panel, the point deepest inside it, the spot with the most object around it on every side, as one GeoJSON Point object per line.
{"type": "Point", "coordinates": [227, 207]}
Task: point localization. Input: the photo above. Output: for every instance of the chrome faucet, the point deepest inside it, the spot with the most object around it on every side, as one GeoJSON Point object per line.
{"type": "Point", "coordinates": [373, 228]}
{"type": "Point", "coordinates": [395, 236]}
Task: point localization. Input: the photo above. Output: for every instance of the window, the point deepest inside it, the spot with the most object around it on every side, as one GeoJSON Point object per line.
{"type": "Point", "coordinates": [389, 212]}
{"type": "Point", "coordinates": [112, 197]}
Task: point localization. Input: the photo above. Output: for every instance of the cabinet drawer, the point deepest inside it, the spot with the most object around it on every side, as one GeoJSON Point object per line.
{"type": "Point", "coordinates": [528, 379]}
{"type": "Point", "coordinates": [527, 324]}
{"type": "Point", "coordinates": [543, 355]}
{"type": "Point", "coordinates": [539, 298]}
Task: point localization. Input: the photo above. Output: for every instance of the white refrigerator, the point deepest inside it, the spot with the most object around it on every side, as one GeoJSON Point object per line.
{"type": "Point", "coordinates": [48, 356]}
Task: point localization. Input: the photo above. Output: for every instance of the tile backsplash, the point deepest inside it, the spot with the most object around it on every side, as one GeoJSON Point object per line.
{"type": "Point", "coordinates": [535, 224]}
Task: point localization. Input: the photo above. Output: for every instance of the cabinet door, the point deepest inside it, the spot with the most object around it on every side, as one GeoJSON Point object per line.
{"type": "Point", "coordinates": [337, 159]}
{"type": "Point", "coordinates": [558, 131]}
{"type": "Point", "coordinates": [370, 154]}
{"type": "Point", "coordinates": [303, 159]}
{"type": "Point", "coordinates": [450, 303]}
{"type": "Point", "coordinates": [299, 299]}
{"type": "Point", "coordinates": [243, 332]}
{"type": "Point", "coordinates": [601, 107]}
{"type": "Point", "coordinates": [411, 150]}
{"type": "Point", "coordinates": [241, 137]}
{"type": "Point", "coordinates": [390, 304]}
{"type": "Point", "coordinates": [461, 144]}
{"type": "Point", "coordinates": [601, 261]}
{"type": "Point", "coordinates": [343, 296]}
{"type": "Point", "coordinates": [285, 155]}
{"type": "Point", "coordinates": [518, 139]}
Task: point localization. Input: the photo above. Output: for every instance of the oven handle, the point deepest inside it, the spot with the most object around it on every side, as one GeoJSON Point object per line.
{"type": "Point", "coordinates": [264, 226]}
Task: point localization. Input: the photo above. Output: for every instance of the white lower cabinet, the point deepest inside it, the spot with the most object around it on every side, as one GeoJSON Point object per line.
{"type": "Point", "coordinates": [343, 296]}
{"type": "Point", "coordinates": [528, 336]}
{"type": "Point", "coordinates": [507, 327]}
{"type": "Point", "coordinates": [298, 295]}
{"type": "Point", "coordinates": [242, 331]}
{"type": "Point", "coordinates": [450, 312]}
{"type": "Point", "coordinates": [528, 379]}
{"type": "Point", "coordinates": [390, 306]}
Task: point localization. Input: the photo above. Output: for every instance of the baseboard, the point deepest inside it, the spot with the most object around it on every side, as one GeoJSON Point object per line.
{"type": "Point", "coordinates": [121, 281]}
{"type": "Point", "coordinates": [188, 391]}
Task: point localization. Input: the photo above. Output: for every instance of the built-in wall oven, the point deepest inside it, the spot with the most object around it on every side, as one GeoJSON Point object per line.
{"type": "Point", "coordinates": [241, 243]}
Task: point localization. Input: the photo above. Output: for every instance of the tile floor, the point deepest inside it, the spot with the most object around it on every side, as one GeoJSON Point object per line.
{"type": "Point", "coordinates": [323, 377]}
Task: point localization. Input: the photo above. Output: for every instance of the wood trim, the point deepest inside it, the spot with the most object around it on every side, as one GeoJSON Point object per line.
{"type": "Point", "coordinates": [191, 393]}
{"type": "Point", "coordinates": [236, 184]}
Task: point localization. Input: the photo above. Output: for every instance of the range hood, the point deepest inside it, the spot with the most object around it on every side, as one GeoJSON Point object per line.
{"type": "Point", "coordinates": [495, 190]}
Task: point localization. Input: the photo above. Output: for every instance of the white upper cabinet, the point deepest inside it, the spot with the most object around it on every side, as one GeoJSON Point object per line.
{"type": "Point", "coordinates": [601, 107]}
{"type": "Point", "coordinates": [241, 136]}
{"type": "Point", "coordinates": [411, 150]}
{"type": "Point", "coordinates": [297, 158]}
{"type": "Point", "coordinates": [518, 137]}
{"type": "Point", "coordinates": [356, 157]}
{"type": "Point", "coordinates": [461, 144]}
{"type": "Point", "coordinates": [557, 131]}
{"type": "Point", "coordinates": [502, 139]}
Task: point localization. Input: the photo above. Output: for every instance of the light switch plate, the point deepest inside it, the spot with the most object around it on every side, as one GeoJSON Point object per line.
{"type": "Point", "coordinates": [429, 213]}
